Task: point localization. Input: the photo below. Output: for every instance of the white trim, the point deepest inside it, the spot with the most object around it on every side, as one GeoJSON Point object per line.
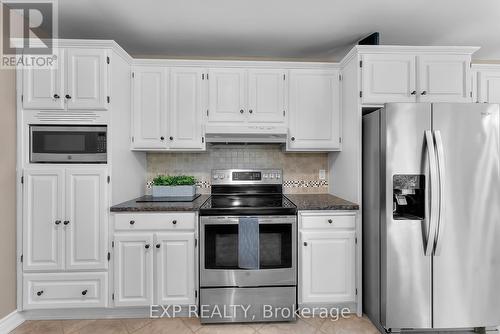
{"type": "Point", "coordinates": [235, 63]}
{"type": "Point", "coordinates": [11, 321]}
{"type": "Point", "coordinates": [485, 67]}
{"type": "Point", "coordinates": [94, 313]}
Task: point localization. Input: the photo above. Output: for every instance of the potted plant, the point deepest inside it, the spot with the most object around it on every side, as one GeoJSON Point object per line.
{"type": "Point", "coordinates": [167, 186]}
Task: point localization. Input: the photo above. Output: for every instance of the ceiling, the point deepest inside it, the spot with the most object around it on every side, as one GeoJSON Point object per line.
{"type": "Point", "coordinates": [279, 29]}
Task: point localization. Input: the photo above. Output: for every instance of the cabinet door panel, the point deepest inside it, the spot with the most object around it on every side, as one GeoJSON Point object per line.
{"type": "Point", "coordinates": [87, 82]}
{"type": "Point", "coordinates": [86, 233]}
{"type": "Point", "coordinates": [327, 267]}
{"type": "Point", "coordinates": [444, 78]}
{"type": "Point", "coordinates": [133, 274]}
{"type": "Point", "coordinates": [186, 108]}
{"type": "Point", "coordinates": [149, 108]}
{"type": "Point", "coordinates": [42, 215]}
{"type": "Point", "coordinates": [175, 268]}
{"type": "Point", "coordinates": [489, 86]}
{"type": "Point", "coordinates": [226, 95]}
{"type": "Point", "coordinates": [388, 78]}
{"type": "Point", "coordinates": [266, 96]}
{"type": "Point", "coordinates": [43, 88]}
{"type": "Point", "coordinates": [314, 110]}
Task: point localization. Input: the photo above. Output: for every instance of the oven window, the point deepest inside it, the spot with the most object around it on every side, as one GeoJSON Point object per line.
{"type": "Point", "coordinates": [275, 246]}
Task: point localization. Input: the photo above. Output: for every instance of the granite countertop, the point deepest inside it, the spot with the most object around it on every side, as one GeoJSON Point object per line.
{"type": "Point", "coordinates": [321, 202]}
{"type": "Point", "coordinates": [302, 201]}
{"type": "Point", "coordinates": [133, 206]}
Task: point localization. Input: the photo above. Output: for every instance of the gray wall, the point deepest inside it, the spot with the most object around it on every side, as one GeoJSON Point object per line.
{"type": "Point", "coordinates": [7, 192]}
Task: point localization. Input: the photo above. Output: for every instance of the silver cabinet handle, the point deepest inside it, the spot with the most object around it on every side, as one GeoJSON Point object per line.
{"type": "Point", "coordinates": [442, 173]}
{"type": "Point", "coordinates": [429, 139]}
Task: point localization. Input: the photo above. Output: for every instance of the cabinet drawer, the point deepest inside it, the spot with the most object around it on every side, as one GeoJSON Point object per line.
{"type": "Point", "coordinates": [64, 290]}
{"type": "Point", "coordinates": [328, 221]}
{"type": "Point", "coordinates": [155, 221]}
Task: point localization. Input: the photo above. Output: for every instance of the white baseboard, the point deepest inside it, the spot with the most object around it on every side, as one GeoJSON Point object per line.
{"type": "Point", "coordinates": [10, 322]}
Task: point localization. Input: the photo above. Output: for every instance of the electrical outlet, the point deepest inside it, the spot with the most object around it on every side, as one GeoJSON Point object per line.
{"type": "Point", "coordinates": [322, 174]}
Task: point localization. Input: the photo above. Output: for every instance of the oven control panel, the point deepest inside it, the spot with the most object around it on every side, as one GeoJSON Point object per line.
{"type": "Point", "coordinates": [247, 176]}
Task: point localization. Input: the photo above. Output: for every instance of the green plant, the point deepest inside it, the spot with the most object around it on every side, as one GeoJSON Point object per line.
{"type": "Point", "coordinates": [179, 180]}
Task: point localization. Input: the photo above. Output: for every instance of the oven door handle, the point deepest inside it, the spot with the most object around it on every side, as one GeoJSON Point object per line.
{"type": "Point", "coordinates": [235, 220]}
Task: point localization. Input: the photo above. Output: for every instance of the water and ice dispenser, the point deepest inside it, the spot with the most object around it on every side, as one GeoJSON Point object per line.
{"type": "Point", "coordinates": [408, 197]}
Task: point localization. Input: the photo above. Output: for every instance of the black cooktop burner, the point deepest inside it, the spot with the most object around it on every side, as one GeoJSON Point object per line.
{"type": "Point", "coordinates": [251, 205]}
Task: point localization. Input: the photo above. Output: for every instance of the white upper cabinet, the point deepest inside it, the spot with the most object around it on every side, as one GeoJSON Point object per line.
{"type": "Point", "coordinates": [175, 268]}
{"type": "Point", "coordinates": [43, 88]}
{"type": "Point", "coordinates": [266, 95]}
{"type": "Point", "coordinates": [246, 95]}
{"type": "Point", "coordinates": [42, 219]}
{"type": "Point", "coordinates": [388, 77]}
{"type": "Point", "coordinates": [149, 108]}
{"type": "Point", "coordinates": [87, 79]}
{"type": "Point", "coordinates": [86, 228]}
{"type": "Point", "coordinates": [314, 120]}
{"type": "Point", "coordinates": [415, 77]}
{"type": "Point", "coordinates": [133, 255]}
{"type": "Point", "coordinates": [79, 81]}
{"type": "Point", "coordinates": [187, 105]}
{"type": "Point", "coordinates": [444, 78]}
{"type": "Point", "coordinates": [327, 267]}
{"type": "Point", "coordinates": [489, 85]}
{"type": "Point", "coordinates": [226, 95]}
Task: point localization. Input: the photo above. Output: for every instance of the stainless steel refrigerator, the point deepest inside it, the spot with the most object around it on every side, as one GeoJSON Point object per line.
{"type": "Point", "coordinates": [431, 216]}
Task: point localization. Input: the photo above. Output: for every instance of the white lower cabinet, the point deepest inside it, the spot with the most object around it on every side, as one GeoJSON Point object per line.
{"type": "Point", "coordinates": [64, 290]}
{"type": "Point", "coordinates": [327, 259]}
{"type": "Point", "coordinates": [155, 266]}
{"type": "Point", "coordinates": [64, 219]}
{"type": "Point", "coordinates": [133, 269]}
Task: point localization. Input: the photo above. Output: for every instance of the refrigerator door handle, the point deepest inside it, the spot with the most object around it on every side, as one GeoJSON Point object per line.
{"type": "Point", "coordinates": [433, 193]}
{"type": "Point", "coordinates": [442, 170]}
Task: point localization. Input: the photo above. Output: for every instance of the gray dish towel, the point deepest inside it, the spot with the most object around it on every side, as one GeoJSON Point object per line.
{"type": "Point", "coordinates": [248, 243]}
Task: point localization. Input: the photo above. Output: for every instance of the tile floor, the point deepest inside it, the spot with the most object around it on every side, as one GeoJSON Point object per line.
{"type": "Point", "coordinates": [353, 325]}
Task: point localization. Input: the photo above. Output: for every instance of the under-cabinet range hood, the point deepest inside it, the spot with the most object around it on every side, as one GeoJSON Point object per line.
{"type": "Point", "coordinates": [245, 134]}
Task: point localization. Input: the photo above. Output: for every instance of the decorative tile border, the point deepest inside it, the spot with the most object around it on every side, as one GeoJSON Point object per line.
{"type": "Point", "coordinates": [286, 184]}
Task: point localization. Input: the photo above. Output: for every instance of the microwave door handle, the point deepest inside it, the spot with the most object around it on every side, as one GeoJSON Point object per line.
{"type": "Point", "coordinates": [442, 173]}
{"type": "Point", "coordinates": [431, 152]}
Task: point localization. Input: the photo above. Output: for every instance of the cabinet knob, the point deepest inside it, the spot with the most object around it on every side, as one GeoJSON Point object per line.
{"type": "Point", "coordinates": [171, 138]}
{"type": "Point", "coordinates": [330, 221]}
{"type": "Point", "coordinates": [424, 93]}
{"type": "Point", "coordinates": [66, 222]}
{"type": "Point", "coordinates": [242, 111]}
{"type": "Point", "coordinates": [250, 111]}
{"type": "Point", "coordinates": [39, 293]}
{"type": "Point", "coordinates": [68, 96]}
{"type": "Point", "coordinates": [57, 222]}
{"type": "Point", "coordinates": [162, 138]}
{"type": "Point", "coordinates": [157, 245]}
{"type": "Point", "coordinates": [174, 222]}
{"type": "Point", "coordinates": [56, 96]}
{"type": "Point", "coordinates": [413, 92]}
{"type": "Point", "coordinates": [305, 243]}
{"type": "Point", "coordinates": [147, 246]}
{"type": "Point", "coordinates": [132, 222]}
{"type": "Point", "coordinates": [84, 292]}
{"type": "Point", "coordinates": [293, 138]}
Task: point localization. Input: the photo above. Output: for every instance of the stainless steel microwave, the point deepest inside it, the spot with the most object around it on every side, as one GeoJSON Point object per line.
{"type": "Point", "coordinates": [68, 143]}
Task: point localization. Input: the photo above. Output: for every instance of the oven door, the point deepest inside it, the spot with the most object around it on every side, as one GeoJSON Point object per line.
{"type": "Point", "coordinates": [219, 258]}
{"type": "Point", "coordinates": [68, 144]}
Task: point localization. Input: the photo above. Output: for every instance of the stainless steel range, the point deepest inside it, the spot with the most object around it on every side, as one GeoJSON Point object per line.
{"type": "Point", "coordinates": [248, 253]}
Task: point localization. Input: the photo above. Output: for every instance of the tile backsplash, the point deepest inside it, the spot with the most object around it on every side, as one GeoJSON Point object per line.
{"type": "Point", "coordinates": [300, 170]}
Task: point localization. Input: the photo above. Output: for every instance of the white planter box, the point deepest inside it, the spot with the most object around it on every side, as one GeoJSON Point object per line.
{"type": "Point", "coordinates": [170, 191]}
